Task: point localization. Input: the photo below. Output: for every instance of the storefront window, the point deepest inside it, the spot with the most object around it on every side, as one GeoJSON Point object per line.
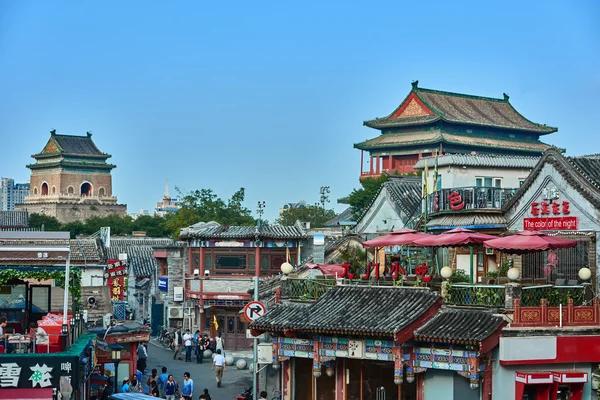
{"type": "Point", "coordinates": [251, 262]}
{"type": "Point", "coordinates": [230, 324]}
{"type": "Point", "coordinates": [264, 263]}
{"type": "Point", "coordinates": [241, 326]}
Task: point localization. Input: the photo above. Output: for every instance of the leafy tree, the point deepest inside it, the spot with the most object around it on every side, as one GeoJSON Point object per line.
{"type": "Point", "coordinates": [37, 221]}
{"type": "Point", "coordinates": [154, 226]}
{"type": "Point", "coordinates": [355, 256]}
{"type": "Point", "coordinates": [361, 198]}
{"type": "Point", "coordinates": [313, 214]}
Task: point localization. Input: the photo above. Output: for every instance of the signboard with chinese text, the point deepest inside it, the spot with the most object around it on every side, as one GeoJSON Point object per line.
{"type": "Point", "coordinates": [116, 272]}
{"type": "Point", "coordinates": [37, 372]}
{"type": "Point", "coordinates": [550, 215]}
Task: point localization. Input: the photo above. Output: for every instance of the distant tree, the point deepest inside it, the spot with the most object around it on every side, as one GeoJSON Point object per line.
{"type": "Point", "coordinates": [361, 198]}
{"type": "Point", "coordinates": [48, 223]}
{"type": "Point", "coordinates": [315, 215]}
{"type": "Point", "coordinates": [76, 228]}
{"type": "Point", "coordinates": [119, 225]}
{"type": "Point", "coordinates": [154, 226]}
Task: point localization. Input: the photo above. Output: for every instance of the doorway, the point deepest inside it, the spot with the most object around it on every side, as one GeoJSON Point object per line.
{"type": "Point", "coordinates": [232, 329]}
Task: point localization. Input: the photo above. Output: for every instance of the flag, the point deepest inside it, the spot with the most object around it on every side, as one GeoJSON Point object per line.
{"type": "Point", "coordinates": [426, 184]}
{"type": "Point", "coordinates": [287, 253]}
{"type": "Point", "coordinates": [435, 172]}
{"type": "Point", "coordinates": [215, 323]}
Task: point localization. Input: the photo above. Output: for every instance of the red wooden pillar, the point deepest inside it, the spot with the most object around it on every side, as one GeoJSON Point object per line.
{"type": "Point", "coordinates": [286, 377]}
{"type": "Point", "coordinates": [391, 164]}
{"type": "Point", "coordinates": [486, 390]}
{"type": "Point", "coordinates": [257, 261]}
{"type": "Point", "coordinates": [371, 165]}
{"type": "Point", "coordinates": [340, 379]}
{"type": "Point", "coordinates": [420, 378]}
{"type": "Point", "coordinates": [378, 171]}
{"type": "Point", "coordinates": [201, 314]}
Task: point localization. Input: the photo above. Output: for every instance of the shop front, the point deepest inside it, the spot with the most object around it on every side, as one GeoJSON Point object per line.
{"type": "Point", "coordinates": [44, 376]}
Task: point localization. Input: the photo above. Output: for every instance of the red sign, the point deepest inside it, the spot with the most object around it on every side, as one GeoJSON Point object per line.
{"type": "Point", "coordinates": [546, 208]}
{"type": "Point", "coordinates": [550, 224]}
{"type": "Point", "coordinates": [395, 270]}
{"type": "Point", "coordinates": [456, 201]}
{"type": "Point", "coordinates": [116, 271]}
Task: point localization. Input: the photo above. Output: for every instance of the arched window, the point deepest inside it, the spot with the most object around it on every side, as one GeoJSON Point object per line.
{"type": "Point", "coordinates": [35, 191]}
{"type": "Point", "coordinates": [86, 189]}
{"type": "Point", "coordinates": [101, 192]}
{"type": "Point", "coordinates": [53, 189]}
{"type": "Point", "coordinates": [44, 189]}
{"type": "Point", "coordinates": [70, 190]}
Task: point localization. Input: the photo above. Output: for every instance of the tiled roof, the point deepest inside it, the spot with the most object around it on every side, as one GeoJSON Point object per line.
{"type": "Point", "coordinates": [391, 140]}
{"type": "Point", "coordinates": [335, 244]}
{"type": "Point", "coordinates": [77, 145]}
{"type": "Point", "coordinates": [484, 161]}
{"type": "Point", "coordinates": [280, 316]}
{"type": "Point", "coordinates": [470, 221]}
{"type": "Point", "coordinates": [343, 218]}
{"type": "Point", "coordinates": [88, 251]}
{"type": "Point", "coordinates": [215, 231]}
{"type": "Point", "coordinates": [463, 109]}
{"type": "Point", "coordinates": [14, 219]}
{"type": "Point", "coordinates": [460, 325]}
{"type": "Point", "coordinates": [588, 167]}
{"type": "Point", "coordinates": [406, 192]}
{"type": "Point", "coordinates": [139, 253]}
{"type": "Point", "coordinates": [355, 310]}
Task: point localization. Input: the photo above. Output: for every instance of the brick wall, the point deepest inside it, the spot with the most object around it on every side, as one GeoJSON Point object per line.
{"type": "Point", "coordinates": [62, 180]}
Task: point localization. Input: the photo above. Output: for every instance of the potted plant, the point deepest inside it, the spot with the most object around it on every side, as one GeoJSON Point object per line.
{"type": "Point", "coordinates": [595, 378]}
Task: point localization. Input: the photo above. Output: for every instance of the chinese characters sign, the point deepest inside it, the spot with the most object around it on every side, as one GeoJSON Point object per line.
{"type": "Point", "coordinates": [395, 271]}
{"type": "Point", "coordinates": [116, 271]}
{"type": "Point", "coordinates": [36, 372]}
{"type": "Point", "coordinates": [551, 215]}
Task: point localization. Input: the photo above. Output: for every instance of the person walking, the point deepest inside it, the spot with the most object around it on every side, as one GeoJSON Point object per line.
{"type": "Point", "coordinates": [152, 378]}
{"type": "Point", "coordinates": [187, 339]}
{"type": "Point", "coordinates": [203, 343]}
{"type": "Point", "coordinates": [178, 342]}
{"type": "Point", "coordinates": [187, 390]}
{"type": "Point", "coordinates": [135, 386]}
{"type": "Point", "coordinates": [219, 367]}
{"type": "Point", "coordinates": [142, 354]}
{"type": "Point", "coordinates": [162, 379]}
{"type": "Point", "coordinates": [170, 388]}
{"type": "Point", "coordinates": [220, 343]}
{"type": "Point", "coordinates": [154, 389]}
{"type": "Point", "coordinates": [205, 395]}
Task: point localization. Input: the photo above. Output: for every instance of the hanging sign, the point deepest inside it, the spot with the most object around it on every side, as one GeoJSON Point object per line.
{"type": "Point", "coordinates": [116, 271]}
{"type": "Point", "coordinates": [163, 283]}
{"type": "Point", "coordinates": [37, 372]}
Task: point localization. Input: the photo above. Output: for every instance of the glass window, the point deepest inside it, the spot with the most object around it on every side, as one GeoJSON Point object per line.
{"type": "Point", "coordinates": [264, 262]}
{"type": "Point", "coordinates": [230, 324]}
{"type": "Point", "coordinates": [478, 182]}
{"type": "Point", "coordinates": [230, 261]}
{"type": "Point", "coordinates": [487, 182]}
{"type": "Point", "coordinates": [498, 182]}
{"type": "Point", "coordinates": [438, 185]}
{"type": "Point", "coordinates": [241, 327]}
{"type": "Point", "coordinates": [251, 262]}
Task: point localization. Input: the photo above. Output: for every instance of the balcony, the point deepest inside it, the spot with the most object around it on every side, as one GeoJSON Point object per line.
{"type": "Point", "coordinates": [69, 197]}
{"type": "Point", "coordinates": [468, 199]}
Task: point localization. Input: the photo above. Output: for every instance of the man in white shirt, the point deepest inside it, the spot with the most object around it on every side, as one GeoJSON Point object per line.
{"type": "Point", "coordinates": [187, 340]}
{"type": "Point", "coordinates": [40, 338]}
{"type": "Point", "coordinates": [219, 367]}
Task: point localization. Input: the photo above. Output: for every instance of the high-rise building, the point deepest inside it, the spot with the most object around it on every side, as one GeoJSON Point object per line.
{"type": "Point", "coordinates": [12, 193]}
{"type": "Point", "coordinates": [168, 204]}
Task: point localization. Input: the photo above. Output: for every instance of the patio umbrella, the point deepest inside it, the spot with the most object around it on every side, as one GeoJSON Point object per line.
{"type": "Point", "coordinates": [400, 237]}
{"type": "Point", "coordinates": [528, 242]}
{"type": "Point", "coordinates": [456, 237]}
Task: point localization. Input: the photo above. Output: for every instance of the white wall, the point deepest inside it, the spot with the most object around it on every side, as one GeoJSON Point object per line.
{"type": "Point", "coordinates": [456, 176]}
{"type": "Point", "coordinates": [92, 276]}
{"type": "Point", "coordinates": [381, 216]}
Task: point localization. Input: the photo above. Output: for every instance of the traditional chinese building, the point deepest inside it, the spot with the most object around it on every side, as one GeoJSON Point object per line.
{"type": "Point", "coordinates": [381, 342]}
{"type": "Point", "coordinates": [71, 180]}
{"type": "Point", "coordinates": [430, 121]}
{"type": "Point", "coordinates": [224, 252]}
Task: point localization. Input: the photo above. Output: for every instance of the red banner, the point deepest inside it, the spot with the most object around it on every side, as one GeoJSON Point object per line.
{"type": "Point", "coordinates": [551, 224]}
{"type": "Point", "coordinates": [116, 271]}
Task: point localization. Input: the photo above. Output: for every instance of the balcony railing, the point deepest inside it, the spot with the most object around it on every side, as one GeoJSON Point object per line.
{"type": "Point", "coordinates": [553, 294]}
{"type": "Point", "coordinates": [468, 199]}
{"type": "Point", "coordinates": [476, 295]}
{"type": "Point", "coordinates": [564, 315]}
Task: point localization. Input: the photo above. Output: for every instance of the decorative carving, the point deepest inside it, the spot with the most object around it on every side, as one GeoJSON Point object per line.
{"type": "Point", "coordinates": [413, 109]}
{"type": "Point", "coordinates": [584, 315]}
{"type": "Point", "coordinates": [50, 147]}
{"type": "Point", "coordinates": [530, 315]}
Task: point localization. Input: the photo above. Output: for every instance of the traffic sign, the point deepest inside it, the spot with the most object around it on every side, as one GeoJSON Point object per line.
{"type": "Point", "coordinates": [254, 310]}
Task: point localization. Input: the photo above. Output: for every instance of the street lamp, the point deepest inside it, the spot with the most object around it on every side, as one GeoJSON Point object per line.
{"type": "Point", "coordinates": [324, 195]}
{"type": "Point", "coordinates": [72, 322]}
{"type": "Point", "coordinates": [115, 351]}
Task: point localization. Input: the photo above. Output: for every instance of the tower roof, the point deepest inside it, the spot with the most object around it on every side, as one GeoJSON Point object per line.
{"type": "Point", "coordinates": [71, 145]}
{"type": "Point", "coordinates": [427, 106]}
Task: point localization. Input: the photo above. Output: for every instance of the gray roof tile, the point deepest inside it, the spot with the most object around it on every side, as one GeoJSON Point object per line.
{"type": "Point", "coordinates": [79, 145]}
{"type": "Point", "coordinates": [139, 253]}
{"type": "Point", "coordinates": [451, 221]}
{"type": "Point", "coordinates": [355, 310]}
{"type": "Point", "coordinates": [216, 231]}
{"type": "Point", "coordinates": [479, 161]}
{"type": "Point", "coordinates": [460, 324]}
{"type": "Point", "coordinates": [14, 219]}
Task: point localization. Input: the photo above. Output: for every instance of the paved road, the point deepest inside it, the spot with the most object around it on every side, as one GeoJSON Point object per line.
{"type": "Point", "coordinates": [234, 380]}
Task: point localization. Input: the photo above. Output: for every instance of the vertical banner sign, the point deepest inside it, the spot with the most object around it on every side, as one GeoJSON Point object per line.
{"type": "Point", "coordinates": [116, 271]}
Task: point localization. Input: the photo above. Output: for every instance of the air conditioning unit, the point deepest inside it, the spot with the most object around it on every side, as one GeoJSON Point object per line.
{"type": "Point", "coordinates": [175, 312]}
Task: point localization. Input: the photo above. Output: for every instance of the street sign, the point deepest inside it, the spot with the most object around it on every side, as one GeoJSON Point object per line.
{"type": "Point", "coordinates": [254, 310]}
{"type": "Point", "coordinates": [249, 335]}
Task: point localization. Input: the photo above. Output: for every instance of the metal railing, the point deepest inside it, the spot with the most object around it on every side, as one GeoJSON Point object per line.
{"type": "Point", "coordinates": [468, 198]}
{"type": "Point", "coordinates": [531, 296]}
{"type": "Point", "coordinates": [26, 343]}
{"type": "Point", "coordinates": [476, 295]}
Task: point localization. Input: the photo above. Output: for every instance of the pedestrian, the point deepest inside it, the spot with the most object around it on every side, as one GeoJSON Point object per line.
{"type": "Point", "coordinates": [263, 395]}
{"type": "Point", "coordinates": [220, 343]}
{"type": "Point", "coordinates": [142, 354]}
{"type": "Point", "coordinates": [152, 378]}
{"type": "Point", "coordinates": [125, 386]}
{"type": "Point", "coordinates": [187, 338]}
{"type": "Point", "coordinates": [162, 379]}
{"type": "Point", "coordinates": [8, 347]}
{"type": "Point", "coordinates": [201, 346]}
{"type": "Point", "coordinates": [178, 342]}
{"type": "Point", "coordinates": [154, 389]}
{"type": "Point", "coordinates": [135, 386]}
{"type": "Point", "coordinates": [187, 391]}
{"type": "Point", "coordinates": [170, 388]}
{"type": "Point", "coordinates": [108, 390]}
{"type": "Point", "coordinates": [219, 367]}
{"type": "Point", "coordinates": [205, 395]}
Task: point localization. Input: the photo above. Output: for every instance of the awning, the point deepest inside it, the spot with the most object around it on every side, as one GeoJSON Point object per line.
{"type": "Point", "coordinates": [27, 394]}
{"type": "Point", "coordinates": [570, 376]}
{"type": "Point", "coordinates": [534, 378]}
{"type": "Point", "coordinates": [548, 383]}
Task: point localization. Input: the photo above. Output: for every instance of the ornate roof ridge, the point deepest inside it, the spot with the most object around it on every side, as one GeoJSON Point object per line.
{"type": "Point", "coordinates": [463, 95]}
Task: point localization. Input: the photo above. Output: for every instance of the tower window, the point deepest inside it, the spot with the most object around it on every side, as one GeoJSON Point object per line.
{"type": "Point", "coordinates": [86, 189]}
{"type": "Point", "coordinates": [101, 192]}
{"type": "Point", "coordinates": [44, 189]}
{"type": "Point", "coordinates": [70, 190]}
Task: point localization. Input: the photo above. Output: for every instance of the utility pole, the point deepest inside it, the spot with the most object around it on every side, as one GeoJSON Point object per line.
{"type": "Point", "coordinates": [260, 210]}
{"type": "Point", "coordinates": [324, 196]}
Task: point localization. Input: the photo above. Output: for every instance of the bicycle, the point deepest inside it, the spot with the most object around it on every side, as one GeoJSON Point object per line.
{"type": "Point", "coordinates": [167, 338]}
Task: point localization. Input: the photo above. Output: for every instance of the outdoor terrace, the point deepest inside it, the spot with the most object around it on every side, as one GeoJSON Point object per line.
{"type": "Point", "coordinates": [469, 198]}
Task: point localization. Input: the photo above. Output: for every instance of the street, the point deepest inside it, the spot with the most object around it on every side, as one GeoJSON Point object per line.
{"type": "Point", "coordinates": [234, 380]}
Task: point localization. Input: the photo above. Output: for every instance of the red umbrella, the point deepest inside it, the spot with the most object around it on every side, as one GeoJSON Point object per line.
{"type": "Point", "coordinates": [454, 237]}
{"type": "Point", "coordinates": [529, 242]}
{"type": "Point", "coordinates": [400, 237]}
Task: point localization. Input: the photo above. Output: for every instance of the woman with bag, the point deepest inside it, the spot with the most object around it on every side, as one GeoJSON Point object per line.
{"type": "Point", "coordinates": [171, 389]}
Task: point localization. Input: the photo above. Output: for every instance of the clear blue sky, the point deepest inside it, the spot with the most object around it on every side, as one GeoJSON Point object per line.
{"type": "Point", "coordinates": [271, 95]}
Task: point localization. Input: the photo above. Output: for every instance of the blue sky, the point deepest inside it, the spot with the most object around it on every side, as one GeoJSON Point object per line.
{"type": "Point", "coordinates": [271, 95]}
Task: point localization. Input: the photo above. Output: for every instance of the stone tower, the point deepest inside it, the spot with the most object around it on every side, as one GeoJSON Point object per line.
{"type": "Point", "coordinates": [71, 180]}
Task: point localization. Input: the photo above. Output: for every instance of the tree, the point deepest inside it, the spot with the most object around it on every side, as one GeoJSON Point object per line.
{"type": "Point", "coordinates": [39, 221]}
{"type": "Point", "coordinates": [361, 198]}
{"type": "Point", "coordinates": [154, 226]}
{"type": "Point", "coordinates": [317, 216]}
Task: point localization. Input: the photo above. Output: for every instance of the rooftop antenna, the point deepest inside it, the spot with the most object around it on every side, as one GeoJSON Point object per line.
{"type": "Point", "coordinates": [167, 196]}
